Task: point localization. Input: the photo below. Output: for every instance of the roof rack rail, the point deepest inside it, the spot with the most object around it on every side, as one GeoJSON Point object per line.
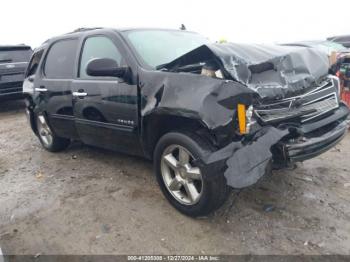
{"type": "Point", "coordinates": [83, 29]}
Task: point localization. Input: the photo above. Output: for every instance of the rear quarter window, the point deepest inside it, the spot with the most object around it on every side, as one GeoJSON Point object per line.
{"type": "Point", "coordinates": [60, 61]}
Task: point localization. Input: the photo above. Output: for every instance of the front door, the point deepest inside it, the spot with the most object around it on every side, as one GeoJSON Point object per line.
{"type": "Point", "coordinates": [105, 108]}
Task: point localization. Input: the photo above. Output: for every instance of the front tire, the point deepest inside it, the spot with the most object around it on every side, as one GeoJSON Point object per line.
{"type": "Point", "coordinates": [47, 137]}
{"type": "Point", "coordinates": [181, 181]}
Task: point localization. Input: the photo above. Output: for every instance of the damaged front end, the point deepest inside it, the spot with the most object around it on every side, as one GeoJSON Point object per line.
{"type": "Point", "coordinates": [265, 106]}
{"type": "Point", "coordinates": [276, 142]}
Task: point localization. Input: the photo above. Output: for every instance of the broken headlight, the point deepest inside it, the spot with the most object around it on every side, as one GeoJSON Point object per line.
{"type": "Point", "coordinates": [245, 118]}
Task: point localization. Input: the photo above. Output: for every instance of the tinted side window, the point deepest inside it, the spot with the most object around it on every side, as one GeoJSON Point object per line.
{"type": "Point", "coordinates": [61, 59]}
{"type": "Point", "coordinates": [34, 63]}
{"type": "Point", "coordinates": [98, 47]}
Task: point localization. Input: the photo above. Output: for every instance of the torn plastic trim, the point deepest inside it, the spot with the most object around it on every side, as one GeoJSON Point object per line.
{"type": "Point", "coordinates": [243, 163]}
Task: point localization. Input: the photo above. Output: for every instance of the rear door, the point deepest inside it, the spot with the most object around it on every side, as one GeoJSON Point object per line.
{"type": "Point", "coordinates": [105, 108]}
{"type": "Point", "coordinates": [53, 88]}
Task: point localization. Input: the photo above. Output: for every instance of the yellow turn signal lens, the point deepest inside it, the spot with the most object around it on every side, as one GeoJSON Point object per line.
{"type": "Point", "coordinates": [242, 123]}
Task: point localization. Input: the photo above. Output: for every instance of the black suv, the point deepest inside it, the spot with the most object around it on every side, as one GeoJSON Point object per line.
{"type": "Point", "coordinates": [13, 64]}
{"type": "Point", "coordinates": [211, 116]}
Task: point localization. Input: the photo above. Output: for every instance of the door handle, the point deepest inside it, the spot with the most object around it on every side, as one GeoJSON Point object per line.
{"type": "Point", "coordinates": [40, 89]}
{"type": "Point", "coordinates": [79, 94]}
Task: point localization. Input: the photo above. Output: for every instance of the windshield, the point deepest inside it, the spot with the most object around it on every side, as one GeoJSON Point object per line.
{"type": "Point", "coordinates": [158, 47]}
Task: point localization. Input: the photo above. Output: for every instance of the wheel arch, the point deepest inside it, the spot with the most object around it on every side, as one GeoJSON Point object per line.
{"type": "Point", "coordinates": [154, 126]}
{"type": "Point", "coordinates": [30, 111]}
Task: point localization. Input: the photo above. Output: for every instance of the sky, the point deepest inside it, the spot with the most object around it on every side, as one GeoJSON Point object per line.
{"type": "Point", "coordinates": [249, 21]}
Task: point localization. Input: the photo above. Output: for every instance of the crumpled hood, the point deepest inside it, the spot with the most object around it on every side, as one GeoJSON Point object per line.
{"type": "Point", "coordinates": [271, 70]}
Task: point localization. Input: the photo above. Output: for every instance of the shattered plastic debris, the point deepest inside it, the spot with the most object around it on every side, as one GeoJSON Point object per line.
{"type": "Point", "coordinates": [306, 178]}
{"type": "Point", "coordinates": [268, 208]}
{"type": "Point", "coordinates": [105, 228]}
{"type": "Point", "coordinates": [309, 195]}
{"type": "Point", "coordinates": [39, 175]}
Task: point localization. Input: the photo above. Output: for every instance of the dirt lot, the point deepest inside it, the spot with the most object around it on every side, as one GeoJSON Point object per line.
{"type": "Point", "coordinates": [91, 201]}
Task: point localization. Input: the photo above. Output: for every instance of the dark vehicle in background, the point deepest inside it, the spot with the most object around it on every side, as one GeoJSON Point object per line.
{"type": "Point", "coordinates": [210, 116]}
{"type": "Point", "coordinates": [334, 50]}
{"type": "Point", "coordinates": [337, 49]}
{"type": "Point", "coordinates": [342, 39]}
{"type": "Point", "coordinates": [13, 64]}
{"type": "Point", "coordinates": [326, 46]}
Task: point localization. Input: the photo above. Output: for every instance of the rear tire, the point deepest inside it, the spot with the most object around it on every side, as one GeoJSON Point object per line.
{"type": "Point", "coordinates": [47, 137]}
{"type": "Point", "coordinates": [181, 182]}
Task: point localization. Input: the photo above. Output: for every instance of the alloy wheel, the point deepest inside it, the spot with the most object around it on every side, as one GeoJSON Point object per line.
{"type": "Point", "coordinates": [44, 131]}
{"type": "Point", "coordinates": [181, 177]}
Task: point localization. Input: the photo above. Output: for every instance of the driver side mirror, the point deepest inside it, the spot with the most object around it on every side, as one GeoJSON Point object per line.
{"type": "Point", "coordinates": [105, 67]}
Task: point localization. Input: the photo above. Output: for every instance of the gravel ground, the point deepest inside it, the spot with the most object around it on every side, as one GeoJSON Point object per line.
{"type": "Point", "coordinates": [91, 201]}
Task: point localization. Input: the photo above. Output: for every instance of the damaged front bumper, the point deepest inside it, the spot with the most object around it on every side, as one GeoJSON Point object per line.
{"type": "Point", "coordinates": [317, 137]}
{"type": "Point", "coordinates": [245, 162]}
{"type": "Point", "coordinates": [312, 147]}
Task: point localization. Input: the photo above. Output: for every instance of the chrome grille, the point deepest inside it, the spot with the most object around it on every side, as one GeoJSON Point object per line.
{"type": "Point", "coordinates": [305, 107]}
